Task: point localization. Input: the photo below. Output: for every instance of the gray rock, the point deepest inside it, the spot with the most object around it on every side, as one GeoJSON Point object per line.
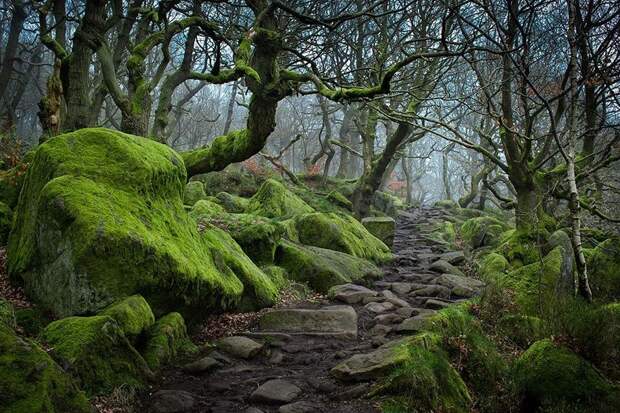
{"type": "Point", "coordinates": [375, 299]}
{"type": "Point", "coordinates": [379, 308]}
{"type": "Point", "coordinates": [453, 257]}
{"type": "Point", "coordinates": [240, 346]}
{"type": "Point", "coordinates": [390, 318]}
{"type": "Point", "coordinates": [378, 363]}
{"type": "Point", "coordinates": [436, 304]}
{"type": "Point", "coordinates": [432, 291]}
{"type": "Point", "coordinates": [413, 324]}
{"type": "Point", "coordinates": [445, 267]}
{"type": "Point", "coordinates": [392, 298]}
{"type": "Point", "coordinates": [460, 285]}
{"type": "Point", "coordinates": [381, 227]}
{"type": "Point", "coordinates": [275, 392]}
{"type": "Point", "coordinates": [401, 288]}
{"type": "Point", "coordinates": [406, 311]}
{"type": "Point", "coordinates": [253, 410]}
{"type": "Point", "coordinates": [203, 365]}
{"type": "Point", "coordinates": [299, 407]}
{"type": "Point", "coordinates": [172, 401]}
{"type": "Point", "coordinates": [350, 293]}
{"type": "Point", "coordinates": [380, 330]}
{"type": "Point", "coordinates": [338, 321]}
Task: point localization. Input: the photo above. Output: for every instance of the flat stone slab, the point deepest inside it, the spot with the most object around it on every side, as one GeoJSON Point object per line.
{"type": "Point", "coordinates": [338, 321]}
{"type": "Point", "coordinates": [379, 308]}
{"type": "Point", "coordinates": [445, 267]}
{"type": "Point", "coordinates": [401, 288]}
{"type": "Point", "coordinates": [390, 297]}
{"type": "Point", "coordinates": [239, 346]}
{"type": "Point", "coordinates": [372, 365]}
{"type": "Point", "coordinates": [453, 257]}
{"type": "Point", "coordinates": [414, 324]}
{"type": "Point", "coordinates": [299, 407]}
{"type": "Point", "coordinates": [432, 291]}
{"type": "Point", "coordinates": [275, 392]}
{"type": "Point", "coordinates": [203, 365]}
{"type": "Point", "coordinates": [350, 293]}
{"type": "Point", "coordinates": [459, 285]}
{"type": "Point", "coordinates": [436, 304]}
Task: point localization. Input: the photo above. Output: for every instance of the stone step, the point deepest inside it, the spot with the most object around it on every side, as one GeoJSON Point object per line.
{"type": "Point", "coordinates": [336, 321]}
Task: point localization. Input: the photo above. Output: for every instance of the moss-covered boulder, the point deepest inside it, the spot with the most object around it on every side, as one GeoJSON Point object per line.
{"type": "Point", "coordinates": [205, 207]}
{"type": "Point", "coordinates": [492, 265]}
{"type": "Point", "coordinates": [194, 192]}
{"type": "Point", "coordinates": [102, 218]}
{"type": "Point", "coordinates": [96, 352]}
{"type": "Point", "coordinates": [381, 227]}
{"type": "Point", "coordinates": [233, 179]}
{"type": "Point", "coordinates": [166, 340]}
{"type": "Point", "coordinates": [274, 200]}
{"type": "Point", "coordinates": [133, 315]}
{"type": "Point", "coordinates": [604, 269]}
{"type": "Point", "coordinates": [7, 313]}
{"type": "Point", "coordinates": [482, 231]}
{"type": "Point", "coordinates": [31, 320]}
{"type": "Point", "coordinates": [340, 200]}
{"type": "Point", "coordinates": [30, 381]}
{"type": "Point", "coordinates": [446, 204]}
{"type": "Point", "coordinates": [388, 203]}
{"type": "Point", "coordinates": [232, 203]}
{"type": "Point", "coordinates": [340, 232]}
{"type": "Point", "coordinates": [321, 268]}
{"type": "Point", "coordinates": [521, 329]}
{"type": "Point", "coordinates": [423, 380]}
{"type": "Point", "coordinates": [6, 216]}
{"type": "Point", "coordinates": [522, 247]}
{"type": "Point", "coordinates": [229, 258]}
{"type": "Point", "coordinates": [548, 375]}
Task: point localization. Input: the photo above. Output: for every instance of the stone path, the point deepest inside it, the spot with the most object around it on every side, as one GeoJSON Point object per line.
{"type": "Point", "coordinates": [323, 357]}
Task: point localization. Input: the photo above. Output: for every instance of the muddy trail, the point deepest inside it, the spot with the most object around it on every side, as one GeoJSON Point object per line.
{"type": "Point", "coordinates": [286, 362]}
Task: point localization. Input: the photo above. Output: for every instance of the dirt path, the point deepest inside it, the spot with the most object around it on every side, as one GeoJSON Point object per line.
{"type": "Point", "coordinates": [286, 369]}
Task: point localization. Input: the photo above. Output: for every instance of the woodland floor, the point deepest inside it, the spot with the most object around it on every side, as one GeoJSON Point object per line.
{"type": "Point", "coordinates": [306, 360]}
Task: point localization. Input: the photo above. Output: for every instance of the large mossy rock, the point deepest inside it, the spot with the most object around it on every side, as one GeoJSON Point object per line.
{"type": "Point", "coordinates": [6, 216]}
{"type": "Point", "coordinates": [30, 381]}
{"type": "Point", "coordinates": [381, 227]}
{"type": "Point", "coordinates": [232, 203]}
{"type": "Point", "coordinates": [167, 339]}
{"type": "Point", "coordinates": [323, 268]}
{"type": "Point", "coordinates": [96, 352]}
{"type": "Point", "coordinates": [194, 192]}
{"type": "Point", "coordinates": [340, 232]}
{"type": "Point", "coordinates": [233, 179]}
{"type": "Point", "coordinates": [604, 269]}
{"type": "Point", "coordinates": [548, 375]}
{"type": "Point", "coordinates": [133, 315]}
{"type": "Point", "coordinates": [274, 200]}
{"type": "Point", "coordinates": [388, 203]}
{"type": "Point", "coordinates": [101, 217]}
{"type": "Point", "coordinates": [482, 231]}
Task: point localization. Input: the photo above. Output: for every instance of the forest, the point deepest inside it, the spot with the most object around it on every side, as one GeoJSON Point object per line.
{"type": "Point", "coordinates": [309, 206]}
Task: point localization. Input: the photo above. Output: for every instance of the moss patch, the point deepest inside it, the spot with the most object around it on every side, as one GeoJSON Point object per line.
{"type": "Point", "coordinates": [30, 381]}
{"type": "Point", "coordinates": [133, 315]}
{"type": "Point", "coordinates": [96, 352]}
{"type": "Point", "coordinates": [194, 192]}
{"type": "Point", "coordinates": [274, 200]}
{"type": "Point", "coordinates": [482, 231]}
{"type": "Point", "coordinates": [167, 339]}
{"type": "Point", "coordinates": [6, 217]}
{"type": "Point", "coordinates": [604, 268]}
{"type": "Point", "coordinates": [232, 203]}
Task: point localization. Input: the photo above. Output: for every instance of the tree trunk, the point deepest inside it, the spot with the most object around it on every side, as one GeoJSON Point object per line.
{"type": "Point", "coordinates": [345, 135]}
{"type": "Point", "coordinates": [230, 109]}
{"type": "Point", "coordinates": [10, 51]}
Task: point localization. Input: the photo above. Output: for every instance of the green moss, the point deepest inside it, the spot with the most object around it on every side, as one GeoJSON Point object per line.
{"type": "Point", "coordinates": [233, 180]}
{"type": "Point", "coordinates": [278, 275]}
{"type": "Point", "coordinates": [381, 227]}
{"type": "Point", "coordinates": [340, 200]}
{"type": "Point", "coordinates": [604, 270]}
{"type": "Point", "coordinates": [102, 212]}
{"type": "Point", "coordinates": [194, 192]}
{"type": "Point", "coordinates": [522, 247]}
{"type": "Point", "coordinates": [273, 200]}
{"type": "Point", "coordinates": [30, 381]}
{"type": "Point", "coordinates": [11, 182]}
{"type": "Point", "coordinates": [523, 330]}
{"type": "Point", "coordinates": [492, 265]}
{"type": "Point", "coordinates": [232, 203]}
{"type": "Point", "coordinates": [446, 204]}
{"type": "Point", "coordinates": [482, 231]}
{"type": "Point", "coordinates": [133, 315]}
{"type": "Point", "coordinates": [342, 233]}
{"type": "Point", "coordinates": [388, 203]}
{"type": "Point", "coordinates": [96, 353]}
{"type": "Point", "coordinates": [321, 268]}
{"type": "Point", "coordinates": [259, 291]}
{"type": "Point", "coordinates": [547, 374]}
{"type": "Point", "coordinates": [7, 314]}
{"type": "Point", "coordinates": [31, 320]}
{"type": "Point", "coordinates": [425, 380]}
{"type": "Point", "coordinates": [205, 208]}
{"type": "Point", "coordinates": [6, 217]}
{"type": "Point", "coordinates": [167, 339]}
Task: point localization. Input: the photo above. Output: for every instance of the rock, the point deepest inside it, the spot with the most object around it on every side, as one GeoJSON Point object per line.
{"type": "Point", "coordinates": [401, 288]}
{"type": "Point", "coordinates": [379, 308]}
{"type": "Point", "coordinates": [299, 407]}
{"type": "Point", "coordinates": [432, 291]}
{"type": "Point", "coordinates": [413, 324]}
{"type": "Point", "coordinates": [30, 381]}
{"type": "Point", "coordinates": [372, 365]}
{"type": "Point", "coordinates": [240, 346]}
{"type": "Point", "coordinates": [340, 232]}
{"type": "Point", "coordinates": [350, 293]}
{"type": "Point", "coordinates": [355, 392]}
{"type": "Point", "coordinates": [232, 203]}
{"type": "Point", "coordinates": [381, 227]}
{"type": "Point", "coordinates": [253, 410]}
{"type": "Point", "coordinates": [7, 314]}
{"type": "Point", "coordinates": [380, 330]}
{"type": "Point", "coordinates": [453, 257]}
{"type": "Point", "coordinates": [133, 315]}
{"type": "Point", "coordinates": [194, 192]}
{"type": "Point", "coordinates": [206, 208]}
{"type": "Point", "coordinates": [390, 318]}
{"type": "Point", "coordinates": [201, 366]}
{"type": "Point", "coordinates": [459, 285]}
{"type": "Point", "coordinates": [172, 401]}
{"type": "Point", "coordinates": [275, 392]}
{"type": "Point", "coordinates": [388, 203]}
{"type": "Point", "coordinates": [436, 304]}
{"type": "Point", "coordinates": [445, 267]}
{"type": "Point", "coordinates": [274, 200]}
{"type": "Point", "coordinates": [96, 352]}
{"type": "Point", "coordinates": [103, 219]}
{"type": "Point", "coordinates": [482, 231]}
{"type": "Point", "coordinates": [405, 311]}
{"type": "Point", "coordinates": [375, 299]}
{"type": "Point", "coordinates": [322, 268]}
{"type": "Point", "coordinates": [392, 298]}
{"type": "Point", "coordinates": [340, 321]}
{"type": "Point", "coordinates": [167, 339]}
